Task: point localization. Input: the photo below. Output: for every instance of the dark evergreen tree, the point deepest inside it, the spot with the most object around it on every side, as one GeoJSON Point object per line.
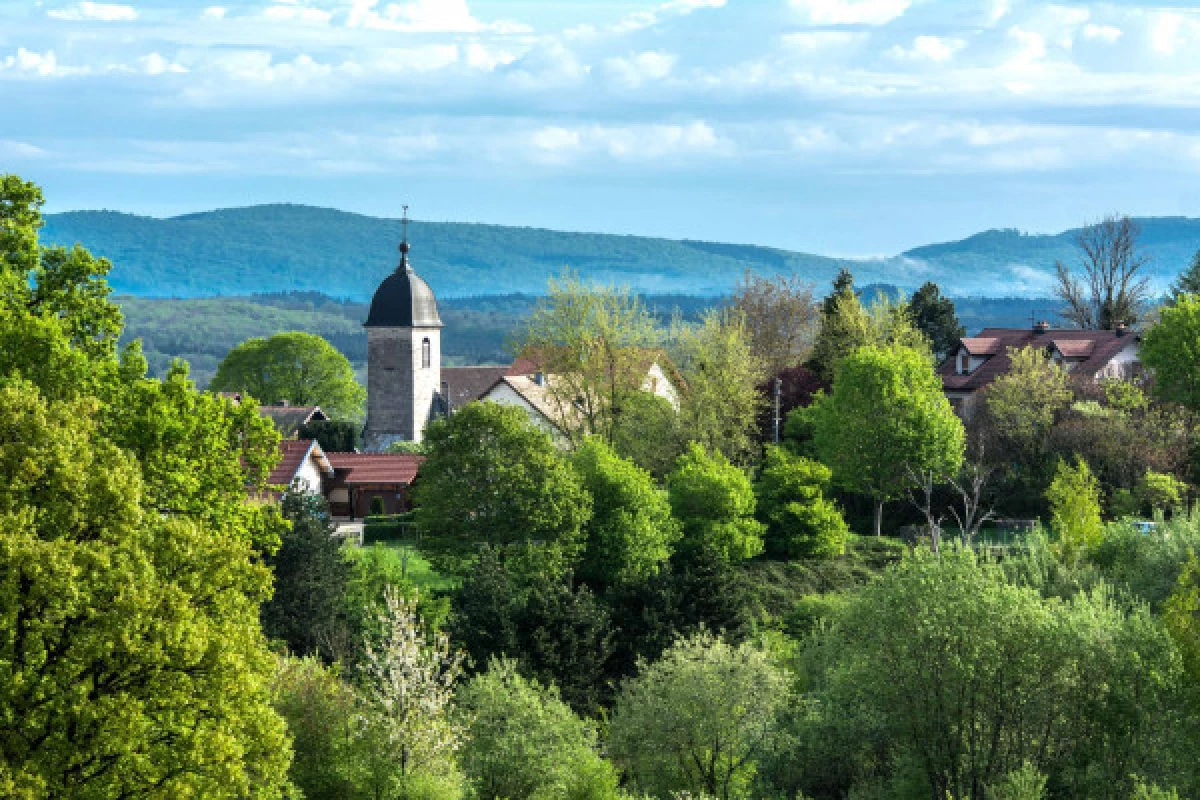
{"type": "Point", "coordinates": [1189, 281]}
{"type": "Point", "coordinates": [308, 610]}
{"type": "Point", "coordinates": [934, 315]}
{"type": "Point", "coordinates": [334, 436]}
{"type": "Point", "coordinates": [843, 286]}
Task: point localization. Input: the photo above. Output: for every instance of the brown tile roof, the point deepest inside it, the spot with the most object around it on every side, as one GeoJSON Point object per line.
{"type": "Point", "coordinates": [376, 468]}
{"type": "Point", "coordinates": [294, 452]}
{"type": "Point", "coordinates": [1098, 347]}
{"type": "Point", "coordinates": [466, 384]}
{"type": "Point", "coordinates": [288, 419]}
{"type": "Point", "coordinates": [978, 346]}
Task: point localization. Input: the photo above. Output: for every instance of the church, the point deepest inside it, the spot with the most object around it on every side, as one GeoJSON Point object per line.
{"type": "Point", "coordinates": [407, 386]}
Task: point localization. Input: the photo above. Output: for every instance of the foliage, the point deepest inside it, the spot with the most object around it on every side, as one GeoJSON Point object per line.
{"type": "Point", "coordinates": [334, 436]}
{"type": "Point", "coordinates": [720, 406]}
{"type": "Point", "coordinates": [595, 346]}
{"type": "Point", "coordinates": [491, 476]}
{"type": "Point", "coordinates": [714, 503]}
{"type": "Point", "coordinates": [295, 368]}
{"type": "Point", "coordinates": [1188, 281]}
{"type": "Point", "coordinates": [559, 633]}
{"type": "Point", "coordinates": [321, 712]}
{"type": "Point", "coordinates": [409, 677]}
{"type": "Point", "coordinates": [800, 521]}
{"type": "Point", "coordinates": [131, 660]}
{"type": "Point", "coordinates": [307, 610]}
{"type": "Point", "coordinates": [1171, 349]}
{"type": "Point", "coordinates": [1181, 616]}
{"type": "Point", "coordinates": [631, 530]}
{"type": "Point", "coordinates": [1074, 498]}
{"type": "Point", "coordinates": [1008, 691]}
{"type": "Point", "coordinates": [1025, 783]}
{"type": "Point", "coordinates": [651, 433]}
{"type": "Point", "coordinates": [844, 327]}
{"type": "Point", "coordinates": [524, 743]}
{"type": "Point", "coordinates": [780, 318]}
{"type": "Point", "coordinates": [933, 314]}
{"type": "Point", "coordinates": [885, 420]}
{"type": "Point", "coordinates": [697, 719]}
{"type": "Point", "coordinates": [1160, 491]}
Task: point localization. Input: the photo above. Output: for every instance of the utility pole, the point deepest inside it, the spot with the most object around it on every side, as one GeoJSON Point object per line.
{"type": "Point", "coordinates": [778, 392]}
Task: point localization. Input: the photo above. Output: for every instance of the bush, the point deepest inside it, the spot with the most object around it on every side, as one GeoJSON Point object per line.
{"type": "Point", "coordinates": [801, 522]}
{"type": "Point", "coordinates": [334, 436]}
{"type": "Point", "coordinates": [388, 528]}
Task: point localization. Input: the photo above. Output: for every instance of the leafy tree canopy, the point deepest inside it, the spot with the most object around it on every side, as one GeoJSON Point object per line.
{"type": "Point", "coordinates": [714, 502]}
{"type": "Point", "coordinates": [800, 520]}
{"type": "Point", "coordinates": [1171, 348]}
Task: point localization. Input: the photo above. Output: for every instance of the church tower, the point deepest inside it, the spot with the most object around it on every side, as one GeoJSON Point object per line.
{"type": "Point", "coordinates": [404, 356]}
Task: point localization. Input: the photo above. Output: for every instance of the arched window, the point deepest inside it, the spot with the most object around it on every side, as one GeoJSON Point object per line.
{"type": "Point", "coordinates": [426, 354]}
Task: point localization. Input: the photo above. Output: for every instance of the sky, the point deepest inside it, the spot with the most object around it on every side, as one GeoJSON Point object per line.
{"type": "Point", "coordinates": [841, 127]}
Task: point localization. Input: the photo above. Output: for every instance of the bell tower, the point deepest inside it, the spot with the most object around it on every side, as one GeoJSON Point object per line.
{"type": "Point", "coordinates": [404, 356]}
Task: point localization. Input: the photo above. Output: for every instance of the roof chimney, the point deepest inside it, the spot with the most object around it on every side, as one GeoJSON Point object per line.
{"type": "Point", "coordinates": [1041, 326]}
{"type": "Point", "coordinates": [1122, 329]}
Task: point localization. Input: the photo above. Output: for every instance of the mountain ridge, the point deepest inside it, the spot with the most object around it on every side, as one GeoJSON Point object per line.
{"type": "Point", "coordinates": [295, 247]}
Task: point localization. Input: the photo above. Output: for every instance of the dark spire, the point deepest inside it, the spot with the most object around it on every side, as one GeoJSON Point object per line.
{"type": "Point", "coordinates": [404, 248]}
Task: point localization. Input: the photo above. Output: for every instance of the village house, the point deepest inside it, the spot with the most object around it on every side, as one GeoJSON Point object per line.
{"type": "Point", "coordinates": [981, 359]}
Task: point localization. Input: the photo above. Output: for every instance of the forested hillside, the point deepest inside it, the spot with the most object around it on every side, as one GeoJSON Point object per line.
{"type": "Point", "coordinates": [290, 247]}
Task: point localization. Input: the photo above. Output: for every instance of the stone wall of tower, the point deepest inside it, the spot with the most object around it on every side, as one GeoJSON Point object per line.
{"type": "Point", "coordinates": [400, 389]}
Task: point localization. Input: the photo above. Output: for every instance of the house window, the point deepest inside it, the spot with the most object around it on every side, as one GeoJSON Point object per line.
{"type": "Point", "coordinates": [964, 363]}
{"type": "Point", "coordinates": [426, 355]}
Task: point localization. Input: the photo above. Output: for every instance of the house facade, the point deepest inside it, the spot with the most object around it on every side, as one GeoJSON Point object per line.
{"type": "Point", "coordinates": [979, 360]}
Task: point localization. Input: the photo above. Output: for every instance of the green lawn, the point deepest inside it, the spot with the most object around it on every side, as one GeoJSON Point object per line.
{"type": "Point", "coordinates": [402, 559]}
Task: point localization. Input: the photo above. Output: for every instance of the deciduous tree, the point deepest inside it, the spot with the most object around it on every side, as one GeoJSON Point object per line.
{"type": "Point", "coordinates": [1113, 288]}
{"type": "Point", "coordinates": [714, 502]}
{"type": "Point", "coordinates": [1171, 349]}
{"type": "Point", "coordinates": [780, 316]}
{"type": "Point", "coordinates": [885, 419]}
{"type": "Point", "coordinates": [801, 522]}
{"type": "Point", "coordinates": [296, 368]}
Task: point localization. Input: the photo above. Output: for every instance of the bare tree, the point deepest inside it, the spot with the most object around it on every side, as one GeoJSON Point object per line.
{"type": "Point", "coordinates": [970, 484]}
{"type": "Point", "coordinates": [921, 496]}
{"type": "Point", "coordinates": [781, 318]}
{"type": "Point", "coordinates": [1110, 290]}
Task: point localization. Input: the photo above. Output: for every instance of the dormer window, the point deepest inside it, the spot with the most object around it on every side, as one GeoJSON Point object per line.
{"type": "Point", "coordinates": [964, 362]}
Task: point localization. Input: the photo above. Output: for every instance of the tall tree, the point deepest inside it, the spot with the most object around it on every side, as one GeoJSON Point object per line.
{"type": "Point", "coordinates": [1022, 404]}
{"type": "Point", "coordinates": [491, 476]}
{"type": "Point", "coordinates": [933, 314]}
{"type": "Point", "coordinates": [631, 531]}
{"type": "Point", "coordinates": [1171, 349]}
{"type": "Point", "coordinates": [594, 346]}
{"type": "Point", "coordinates": [780, 317]}
{"type": "Point", "coordinates": [297, 368]}
{"type": "Point", "coordinates": [131, 659]}
{"type": "Point", "coordinates": [1113, 289]}
{"type": "Point", "coordinates": [721, 401]}
{"type": "Point", "coordinates": [886, 420]}
{"type": "Point", "coordinates": [844, 327]}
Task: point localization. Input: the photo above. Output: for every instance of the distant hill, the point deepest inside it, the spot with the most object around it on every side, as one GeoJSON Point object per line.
{"type": "Point", "coordinates": [280, 248]}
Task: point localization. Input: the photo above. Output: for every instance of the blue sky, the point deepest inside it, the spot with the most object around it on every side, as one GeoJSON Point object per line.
{"type": "Point", "coordinates": [849, 127]}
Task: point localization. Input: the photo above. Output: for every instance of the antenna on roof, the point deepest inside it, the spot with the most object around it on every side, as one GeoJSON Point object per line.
{"type": "Point", "coordinates": [404, 247]}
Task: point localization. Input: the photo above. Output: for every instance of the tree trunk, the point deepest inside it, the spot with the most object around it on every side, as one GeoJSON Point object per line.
{"type": "Point", "coordinates": [878, 517]}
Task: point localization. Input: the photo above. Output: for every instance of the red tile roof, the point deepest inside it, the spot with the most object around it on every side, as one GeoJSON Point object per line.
{"type": "Point", "coordinates": [1097, 348]}
{"type": "Point", "coordinates": [978, 346]}
{"type": "Point", "coordinates": [294, 453]}
{"type": "Point", "coordinates": [376, 468]}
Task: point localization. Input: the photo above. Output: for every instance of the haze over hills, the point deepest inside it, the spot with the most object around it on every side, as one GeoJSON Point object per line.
{"type": "Point", "coordinates": [291, 247]}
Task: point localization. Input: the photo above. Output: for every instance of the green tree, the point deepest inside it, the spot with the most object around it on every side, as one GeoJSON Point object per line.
{"type": "Point", "coordinates": [933, 314]}
{"type": "Point", "coordinates": [1074, 498]}
{"type": "Point", "coordinates": [651, 433]}
{"type": "Point", "coordinates": [491, 476]}
{"type": "Point", "coordinates": [631, 530]}
{"type": "Point", "coordinates": [308, 608]}
{"type": "Point", "coordinates": [1171, 349]}
{"type": "Point", "coordinates": [800, 521]}
{"type": "Point", "coordinates": [844, 327]}
{"type": "Point", "coordinates": [594, 344]}
{"type": "Point", "coordinates": [1189, 281]}
{"type": "Point", "coordinates": [714, 503]}
{"type": "Point", "coordinates": [131, 659]}
{"type": "Point", "coordinates": [321, 712]}
{"type": "Point", "coordinates": [524, 743]}
{"type": "Point", "coordinates": [698, 719]}
{"type": "Point", "coordinates": [297, 368]}
{"type": "Point", "coordinates": [885, 420]}
{"type": "Point", "coordinates": [720, 406]}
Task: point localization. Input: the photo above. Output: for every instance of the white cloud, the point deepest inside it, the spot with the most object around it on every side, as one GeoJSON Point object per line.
{"type": "Point", "coordinates": [426, 16]}
{"type": "Point", "coordinates": [558, 144]}
{"type": "Point", "coordinates": [1172, 31]}
{"type": "Point", "coordinates": [648, 18]}
{"type": "Point", "coordinates": [99, 12]}
{"type": "Point", "coordinates": [639, 68]}
{"type": "Point", "coordinates": [13, 149]}
{"type": "Point", "coordinates": [851, 12]}
{"type": "Point", "coordinates": [291, 12]}
{"type": "Point", "coordinates": [215, 12]}
{"type": "Point", "coordinates": [1103, 33]}
{"type": "Point", "coordinates": [997, 10]}
{"type": "Point", "coordinates": [34, 64]}
{"type": "Point", "coordinates": [155, 64]}
{"type": "Point", "coordinates": [938, 49]}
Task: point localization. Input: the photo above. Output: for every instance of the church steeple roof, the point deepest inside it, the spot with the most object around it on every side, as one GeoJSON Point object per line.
{"type": "Point", "coordinates": [404, 299]}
